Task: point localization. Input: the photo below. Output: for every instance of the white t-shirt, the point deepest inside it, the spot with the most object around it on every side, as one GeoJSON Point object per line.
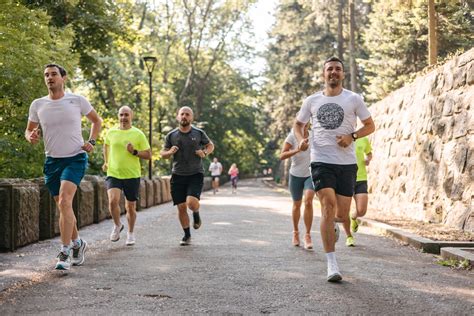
{"type": "Point", "coordinates": [215, 168]}
{"type": "Point", "coordinates": [61, 124]}
{"type": "Point", "coordinates": [300, 163]}
{"type": "Point", "coordinates": [331, 117]}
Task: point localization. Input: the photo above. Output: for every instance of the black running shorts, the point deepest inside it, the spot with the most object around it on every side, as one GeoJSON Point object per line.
{"type": "Point", "coordinates": [130, 187]}
{"type": "Point", "coordinates": [341, 178]}
{"type": "Point", "coordinates": [184, 186]}
{"type": "Point", "coordinates": [361, 187]}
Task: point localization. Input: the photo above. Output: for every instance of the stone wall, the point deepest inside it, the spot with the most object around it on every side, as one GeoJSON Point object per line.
{"type": "Point", "coordinates": [423, 164]}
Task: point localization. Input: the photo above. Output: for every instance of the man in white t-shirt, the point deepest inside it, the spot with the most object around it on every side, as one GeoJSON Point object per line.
{"type": "Point", "coordinates": [60, 116]}
{"type": "Point", "coordinates": [216, 169]}
{"type": "Point", "coordinates": [333, 113]}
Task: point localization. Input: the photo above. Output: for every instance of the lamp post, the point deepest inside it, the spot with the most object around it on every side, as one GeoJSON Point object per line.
{"type": "Point", "coordinates": [150, 63]}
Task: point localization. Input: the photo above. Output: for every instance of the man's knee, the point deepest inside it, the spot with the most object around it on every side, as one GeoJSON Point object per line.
{"type": "Point", "coordinates": [192, 203]}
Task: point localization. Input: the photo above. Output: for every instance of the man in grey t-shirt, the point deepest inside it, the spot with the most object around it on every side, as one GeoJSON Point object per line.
{"type": "Point", "coordinates": [333, 113]}
{"type": "Point", "coordinates": [187, 145]}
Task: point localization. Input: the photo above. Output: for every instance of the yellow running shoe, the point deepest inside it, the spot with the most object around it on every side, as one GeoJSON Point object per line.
{"type": "Point", "coordinates": [350, 241]}
{"type": "Point", "coordinates": [354, 225]}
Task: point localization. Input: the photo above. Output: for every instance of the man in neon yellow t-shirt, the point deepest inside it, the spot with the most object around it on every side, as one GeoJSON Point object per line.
{"type": "Point", "coordinates": [124, 146]}
{"type": "Point", "coordinates": [363, 151]}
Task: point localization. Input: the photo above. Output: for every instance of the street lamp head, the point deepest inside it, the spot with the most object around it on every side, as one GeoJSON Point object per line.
{"type": "Point", "coordinates": [150, 63]}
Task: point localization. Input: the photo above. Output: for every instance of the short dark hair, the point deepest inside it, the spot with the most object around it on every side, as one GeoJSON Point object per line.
{"type": "Point", "coordinates": [62, 71]}
{"type": "Point", "coordinates": [333, 58]}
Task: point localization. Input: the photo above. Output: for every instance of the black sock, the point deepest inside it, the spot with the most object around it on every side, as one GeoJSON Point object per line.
{"type": "Point", "coordinates": [196, 216]}
{"type": "Point", "coordinates": [187, 232]}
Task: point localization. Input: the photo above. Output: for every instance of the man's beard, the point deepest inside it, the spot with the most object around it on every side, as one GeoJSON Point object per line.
{"type": "Point", "coordinates": [184, 123]}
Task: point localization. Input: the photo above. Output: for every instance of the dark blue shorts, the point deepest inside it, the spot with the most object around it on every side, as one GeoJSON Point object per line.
{"type": "Point", "coordinates": [58, 169]}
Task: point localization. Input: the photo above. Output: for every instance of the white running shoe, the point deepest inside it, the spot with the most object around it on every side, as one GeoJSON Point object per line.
{"type": "Point", "coordinates": [64, 261]}
{"type": "Point", "coordinates": [115, 235]}
{"type": "Point", "coordinates": [79, 254]}
{"type": "Point", "coordinates": [333, 272]}
{"type": "Point", "coordinates": [336, 231]}
{"type": "Point", "coordinates": [130, 239]}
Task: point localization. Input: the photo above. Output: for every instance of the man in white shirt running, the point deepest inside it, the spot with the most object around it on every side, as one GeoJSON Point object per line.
{"type": "Point", "coordinates": [60, 116]}
{"type": "Point", "coordinates": [216, 169]}
{"type": "Point", "coordinates": [333, 113]}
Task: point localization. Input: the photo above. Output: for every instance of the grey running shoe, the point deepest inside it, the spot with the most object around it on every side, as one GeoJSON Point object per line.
{"type": "Point", "coordinates": [333, 272]}
{"type": "Point", "coordinates": [130, 239]}
{"type": "Point", "coordinates": [336, 231]}
{"type": "Point", "coordinates": [79, 254]}
{"type": "Point", "coordinates": [185, 241]}
{"type": "Point", "coordinates": [115, 235]}
{"type": "Point", "coordinates": [64, 261]}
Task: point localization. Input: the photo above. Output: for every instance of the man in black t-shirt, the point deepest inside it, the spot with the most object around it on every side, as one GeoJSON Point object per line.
{"type": "Point", "coordinates": [187, 145]}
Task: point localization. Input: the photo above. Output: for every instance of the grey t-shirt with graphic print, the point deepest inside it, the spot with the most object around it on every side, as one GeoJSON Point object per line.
{"type": "Point", "coordinates": [331, 117]}
{"type": "Point", "coordinates": [185, 160]}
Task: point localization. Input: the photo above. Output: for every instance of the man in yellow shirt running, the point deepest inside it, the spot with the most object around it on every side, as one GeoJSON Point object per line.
{"type": "Point", "coordinates": [363, 151]}
{"type": "Point", "coordinates": [124, 146]}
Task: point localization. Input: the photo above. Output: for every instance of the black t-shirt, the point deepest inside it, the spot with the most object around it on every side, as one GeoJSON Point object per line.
{"type": "Point", "coordinates": [185, 160]}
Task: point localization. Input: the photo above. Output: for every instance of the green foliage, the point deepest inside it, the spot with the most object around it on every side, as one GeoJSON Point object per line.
{"type": "Point", "coordinates": [27, 43]}
{"type": "Point", "coordinates": [455, 264]}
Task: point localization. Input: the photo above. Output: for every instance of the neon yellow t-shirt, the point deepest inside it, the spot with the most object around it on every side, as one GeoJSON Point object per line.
{"type": "Point", "coordinates": [362, 148]}
{"type": "Point", "coordinates": [121, 163]}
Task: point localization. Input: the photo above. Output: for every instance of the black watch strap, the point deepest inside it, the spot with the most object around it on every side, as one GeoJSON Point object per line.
{"type": "Point", "coordinates": [135, 152]}
{"type": "Point", "coordinates": [92, 142]}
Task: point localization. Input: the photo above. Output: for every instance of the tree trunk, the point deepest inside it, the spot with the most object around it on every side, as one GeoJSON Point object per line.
{"type": "Point", "coordinates": [432, 40]}
{"type": "Point", "coordinates": [352, 53]}
{"type": "Point", "coordinates": [340, 36]}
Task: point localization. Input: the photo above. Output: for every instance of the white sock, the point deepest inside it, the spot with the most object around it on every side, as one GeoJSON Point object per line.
{"type": "Point", "coordinates": [331, 256]}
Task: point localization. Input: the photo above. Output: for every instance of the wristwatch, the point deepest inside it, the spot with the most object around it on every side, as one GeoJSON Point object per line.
{"type": "Point", "coordinates": [354, 136]}
{"type": "Point", "coordinates": [135, 152]}
{"type": "Point", "coordinates": [92, 142]}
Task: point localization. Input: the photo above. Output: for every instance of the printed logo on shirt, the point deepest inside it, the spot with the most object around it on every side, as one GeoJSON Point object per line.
{"type": "Point", "coordinates": [330, 115]}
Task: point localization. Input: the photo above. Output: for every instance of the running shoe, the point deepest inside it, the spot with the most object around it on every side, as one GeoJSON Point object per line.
{"type": "Point", "coordinates": [79, 254]}
{"type": "Point", "coordinates": [308, 243]}
{"type": "Point", "coordinates": [115, 235]}
{"type": "Point", "coordinates": [130, 239]}
{"type": "Point", "coordinates": [196, 220]}
{"type": "Point", "coordinates": [64, 261]}
{"type": "Point", "coordinates": [336, 231]}
{"type": "Point", "coordinates": [333, 272]}
{"type": "Point", "coordinates": [185, 241]}
{"type": "Point", "coordinates": [296, 239]}
{"type": "Point", "coordinates": [350, 241]}
{"type": "Point", "coordinates": [354, 225]}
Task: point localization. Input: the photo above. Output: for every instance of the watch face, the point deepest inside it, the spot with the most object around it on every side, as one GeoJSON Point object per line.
{"type": "Point", "coordinates": [92, 142]}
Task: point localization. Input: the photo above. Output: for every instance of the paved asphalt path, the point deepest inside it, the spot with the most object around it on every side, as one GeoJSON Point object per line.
{"type": "Point", "coordinates": [240, 262]}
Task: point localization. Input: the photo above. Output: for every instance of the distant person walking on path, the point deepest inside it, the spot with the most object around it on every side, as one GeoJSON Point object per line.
{"type": "Point", "coordinates": [234, 177]}
{"type": "Point", "coordinates": [333, 113]}
{"type": "Point", "coordinates": [300, 182]}
{"type": "Point", "coordinates": [124, 146]}
{"type": "Point", "coordinates": [363, 151]}
{"type": "Point", "coordinates": [216, 170]}
{"type": "Point", "coordinates": [188, 145]}
{"type": "Point", "coordinates": [59, 114]}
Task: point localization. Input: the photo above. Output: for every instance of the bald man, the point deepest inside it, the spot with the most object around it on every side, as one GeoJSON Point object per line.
{"type": "Point", "coordinates": [124, 146]}
{"type": "Point", "coordinates": [187, 145]}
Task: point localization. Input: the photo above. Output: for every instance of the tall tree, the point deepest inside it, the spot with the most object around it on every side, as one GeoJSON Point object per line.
{"type": "Point", "coordinates": [432, 40]}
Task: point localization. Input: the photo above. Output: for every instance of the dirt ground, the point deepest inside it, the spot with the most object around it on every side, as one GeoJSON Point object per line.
{"type": "Point", "coordinates": [428, 230]}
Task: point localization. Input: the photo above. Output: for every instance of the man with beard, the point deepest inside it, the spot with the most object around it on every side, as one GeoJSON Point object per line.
{"type": "Point", "coordinates": [333, 112]}
{"type": "Point", "coordinates": [60, 116]}
{"type": "Point", "coordinates": [123, 148]}
{"type": "Point", "coordinates": [188, 145]}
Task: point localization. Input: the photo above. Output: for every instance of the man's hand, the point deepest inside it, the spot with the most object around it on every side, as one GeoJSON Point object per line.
{"type": "Point", "coordinates": [303, 145]}
{"type": "Point", "coordinates": [34, 136]}
{"type": "Point", "coordinates": [105, 166]}
{"type": "Point", "coordinates": [130, 148]}
{"type": "Point", "coordinates": [344, 140]}
{"type": "Point", "coordinates": [87, 147]}
{"type": "Point", "coordinates": [200, 153]}
{"type": "Point", "coordinates": [173, 150]}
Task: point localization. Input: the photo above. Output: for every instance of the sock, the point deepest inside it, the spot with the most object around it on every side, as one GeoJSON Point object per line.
{"type": "Point", "coordinates": [187, 232]}
{"type": "Point", "coordinates": [65, 249]}
{"type": "Point", "coordinates": [331, 256]}
{"type": "Point", "coordinates": [196, 216]}
{"type": "Point", "coordinates": [77, 243]}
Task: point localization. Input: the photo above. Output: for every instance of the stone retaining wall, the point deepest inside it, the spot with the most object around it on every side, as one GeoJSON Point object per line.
{"type": "Point", "coordinates": [423, 163]}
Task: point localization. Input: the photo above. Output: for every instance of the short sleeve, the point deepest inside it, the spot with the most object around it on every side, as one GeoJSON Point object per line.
{"type": "Point", "coordinates": [290, 139]}
{"type": "Point", "coordinates": [204, 139]}
{"type": "Point", "coordinates": [86, 107]}
{"type": "Point", "coordinates": [33, 112]}
{"type": "Point", "coordinates": [107, 138]}
{"type": "Point", "coordinates": [305, 112]}
{"type": "Point", "coordinates": [167, 145]}
{"type": "Point", "coordinates": [361, 109]}
{"type": "Point", "coordinates": [368, 147]}
{"type": "Point", "coordinates": [142, 141]}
